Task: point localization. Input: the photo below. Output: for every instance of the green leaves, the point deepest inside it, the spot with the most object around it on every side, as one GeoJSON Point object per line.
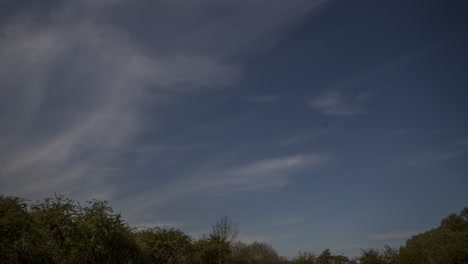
{"type": "Point", "coordinates": [446, 244]}
{"type": "Point", "coordinates": [60, 230]}
{"type": "Point", "coordinates": [256, 252]}
{"type": "Point", "coordinates": [15, 230]}
{"type": "Point", "coordinates": [164, 245]}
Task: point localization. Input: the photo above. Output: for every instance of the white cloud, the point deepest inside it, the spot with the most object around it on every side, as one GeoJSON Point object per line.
{"type": "Point", "coordinates": [72, 89]}
{"type": "Point", "coordinates": [96, 78]}
{"type": "Point", "coordinates": [337, 103]}
{"type": "Point", "coordinates": [266, 175]}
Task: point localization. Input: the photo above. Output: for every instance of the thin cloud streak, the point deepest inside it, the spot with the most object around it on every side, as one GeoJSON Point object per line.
{"type": "Point", "coordinates": [426, 159]}
{"type": "Point", "coordinates": [463, 141]}
{"type": "Point", "coordinates": [338, 104]}
{"type": "Point", "coordinates": [266, 98]}
{"type": "Point", "coordinates": [288, 222]}
{"type": "Point", "coordinates": [262, 175]}
{"type": "Point", "coordinates": [393, 235]}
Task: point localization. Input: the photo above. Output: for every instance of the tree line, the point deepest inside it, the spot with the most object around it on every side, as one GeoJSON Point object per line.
{"type": "Point", "coordinates": [61, 230]}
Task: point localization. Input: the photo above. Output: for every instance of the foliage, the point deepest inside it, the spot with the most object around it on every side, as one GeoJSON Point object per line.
{"type": "Point", "coordinates": [16, 231]}
{"type": "Point", "coordinates": [60, 230]}
{"type": "Point", "coordinates": [446, 244]}
{"type": "Point", "coordinates": [164, 245]}
{"type": "Point", "coordinates": [225, 229]}
{"type": "Point", "coordinates": [326, 257]}
{"type": "Point", "coordinates": [211, 250]}
{"type": "Point", "coordinates": [373, 256]}
{"type": "Point", "coordinates": [304, 258]}
{"type": "Point", "coordinates": [103, 235]}
{"type": "Point", "coordinates": [255, 253]}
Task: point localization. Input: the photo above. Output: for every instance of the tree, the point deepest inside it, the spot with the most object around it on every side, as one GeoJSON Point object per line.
{"type": "Point", "coordinates": [304, 258]}
{"type": "Point", "coordinates": [371, 256]}
{"type": "Point", "coordinates": [16, 231]}
{"type": "Point", "coordinates": [440, 245]}
{"type": "Point", "coordinates": [225, 229]}
{"type": "Point", "coordinates": [457, 222]}
{"type": "Point", "coordinates": [327, 258]}
{"type": "Point", "coordinates": [165, 246]}
{"type": "Point", "coordinates": [54, 222]}
{"type": "Point", "coordinates": [446, 244]}
{"type": "Point", "coordinates": [390, 254]}
{"type": "Point", "coordinates": [211, 250]}
{"type": "Point", "coordinates": [103, 236]}
{"type": "Point", "coordinates": [257, 252]}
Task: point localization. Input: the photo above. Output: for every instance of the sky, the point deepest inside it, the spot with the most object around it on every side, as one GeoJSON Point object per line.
{"type": "Point", "coordinates": [314, 124]}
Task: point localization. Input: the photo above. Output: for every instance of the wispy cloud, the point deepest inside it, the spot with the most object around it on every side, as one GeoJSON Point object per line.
{"type": "Point", "coordinates": [72, 89]}
{"type": "Point", "coordinates": [408, 131]}
{"type": "Point", "coordinates": [424, 159]}
{"type": "Point", "coordinates": [463, 141]}
{"type": "Point", "coordinates": [393, 235]}
{"type": "Point", "coordinates": [266, 98]}
{"type": "Point", "coordinates": [98, 95]}
{"type": "Point", "coordinates": [262, 175]}
{"type": "Point", "coordinates": [304, 137]}
{"type": "Point", "coordinates": [339, 104]}
{"type": "Point", "coordinates": [404, 131]}
{"type": "Point", "coordinates": [290, 221]}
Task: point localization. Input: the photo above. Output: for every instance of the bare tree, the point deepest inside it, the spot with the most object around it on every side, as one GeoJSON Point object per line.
{"type": "Point", "coordinates": [225, 229]}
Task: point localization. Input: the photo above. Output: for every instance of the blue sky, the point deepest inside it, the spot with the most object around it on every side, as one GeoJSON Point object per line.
{"type": "Point", "coordinates": [314, 124]}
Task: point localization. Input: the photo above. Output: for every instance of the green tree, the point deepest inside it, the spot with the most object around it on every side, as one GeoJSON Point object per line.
{"type": "Point", "coordinates": [16, 231]}
{"type": "Point", "coordinates": [165, 246]}
{"type": "Point", "coordinates": [103, 236]}
{"type": "Point", "coordinates": [371, 256]}
{"type": "Point", "coordinates": [256, 252]}
{"type": "Point", "coordinates": [390, 254]}
{"type": "Point", "coordinates": [446, 244]}
{"type": "Point", "coordinates": [304, 258]}
{"type": "Point", "coordinates": [54, 222]}
{"type": "Point", "coordinates": [211, 250]}
{"type": "Point", "coordinates": [456, 222]}
{"type": "Point", "coordinates": [326, 257]}
{"type": "Point", "coordinates": [438, 245]}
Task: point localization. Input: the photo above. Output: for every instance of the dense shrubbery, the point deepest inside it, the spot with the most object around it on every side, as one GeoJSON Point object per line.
{"type": "Point", "coordinates": [60, 230]}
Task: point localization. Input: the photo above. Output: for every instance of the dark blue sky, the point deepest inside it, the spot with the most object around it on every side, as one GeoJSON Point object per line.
{"type": "Point", "coordinates": [314, 124]}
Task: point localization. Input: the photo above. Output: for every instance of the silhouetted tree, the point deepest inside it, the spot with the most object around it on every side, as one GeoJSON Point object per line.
{"type": "Point", "coordinates": [60, 230]}
{"type": "Point", "coordinates": [446, 244]}
{"type": "Point", "coordinates": [304, 258]}
{"type": "Point", "coordinates": [211, 250]}
{"type": "Point", "coordinates": [225, 229]}
{"type": "Point", "coordinates": [165, 246]}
